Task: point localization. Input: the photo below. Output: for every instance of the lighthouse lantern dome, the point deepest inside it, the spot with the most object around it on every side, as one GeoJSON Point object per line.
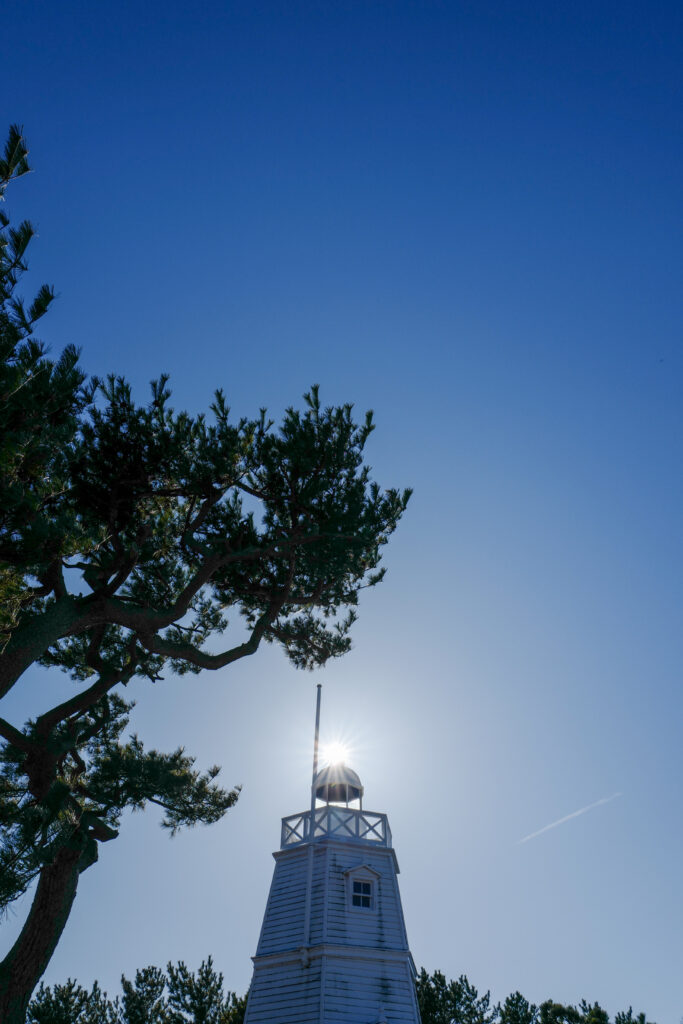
{"type": "Point", "coordinates": [337, 784]}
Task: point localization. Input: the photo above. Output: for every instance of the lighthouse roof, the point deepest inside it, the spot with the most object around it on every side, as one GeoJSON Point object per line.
{"type": "Point", "coordinates": [337, 784]}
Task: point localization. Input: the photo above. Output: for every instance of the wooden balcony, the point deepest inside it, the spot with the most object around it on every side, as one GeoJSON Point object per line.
{"type": "Point", "coordinates": [333, 822]}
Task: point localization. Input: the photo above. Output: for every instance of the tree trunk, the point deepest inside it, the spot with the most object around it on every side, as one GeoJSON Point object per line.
{"type": "Point", "coordinates": [23, 966]}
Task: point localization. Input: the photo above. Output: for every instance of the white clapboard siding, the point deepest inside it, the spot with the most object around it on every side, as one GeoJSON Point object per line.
{"type": "Point", "coordinates": [285, 994]}
{"type": "Point", "coordinates": [350, 990]}
{"type": "Point", "coordinates": [321, 960]}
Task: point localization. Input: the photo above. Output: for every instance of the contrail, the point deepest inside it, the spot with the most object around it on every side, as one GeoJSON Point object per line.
{"type": "Point", "coordinates": [568, 817]}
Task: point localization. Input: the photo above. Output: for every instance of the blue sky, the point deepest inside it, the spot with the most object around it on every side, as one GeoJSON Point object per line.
{"type": "Point", "coordinates": [467, 217]}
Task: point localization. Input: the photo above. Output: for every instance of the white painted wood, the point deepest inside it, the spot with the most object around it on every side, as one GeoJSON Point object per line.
{"type": "Point", "coordinates": [321, 960]}
{"type": "Point", "coordinates": [342, 822]}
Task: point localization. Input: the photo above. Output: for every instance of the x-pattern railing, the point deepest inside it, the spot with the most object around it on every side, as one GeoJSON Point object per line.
{"type": "Point", "coordinates": [336, 822]}
{"type": "Point", "coordinates": [294, 829]}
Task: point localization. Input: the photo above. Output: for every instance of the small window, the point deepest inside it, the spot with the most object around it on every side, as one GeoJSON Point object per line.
{"type": "Point", "coordinates": [362, 894]}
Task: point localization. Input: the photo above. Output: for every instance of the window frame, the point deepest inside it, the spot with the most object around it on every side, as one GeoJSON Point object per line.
{"type": "Point", "coordinates": [359, 895]}
{"type": "Point", "coordinates": [364, 875]}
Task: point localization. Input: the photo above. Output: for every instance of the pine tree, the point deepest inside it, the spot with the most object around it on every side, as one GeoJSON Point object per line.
{"type": "Point", "coordinates": [134, 540]}
{"type": "Point", "coordinates": [198, 998]}
{"type": "Point", "coordinates": [457, 1002]}
{"type": "Point", "coordinates": [181, 996]}
{"type": "Point", "coordinates": [174, 996]}
{"type": "Point", "coordinates": [72, 1004]}
{"type": "Point", "coordinates": [452, 1002]}
{"type": "Point", "coordinates": [517, 1010]}
{"type": "Point", "coordinates": [143, 999]}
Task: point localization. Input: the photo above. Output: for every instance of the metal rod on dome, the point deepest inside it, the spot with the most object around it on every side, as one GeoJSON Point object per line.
{"type": "Point", "coordinates": [311, 831]}
{"type": "Point", "coordinates": [311, 820]}
{"type": "Point", "coordinates": [317, 732]}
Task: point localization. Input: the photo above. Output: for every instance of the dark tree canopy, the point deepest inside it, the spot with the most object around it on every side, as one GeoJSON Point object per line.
{"type": "Point", "coordinates": [452, 1002]}
{"type": "Point", "coordinates": [517, 1010]}
{"type": "Point", "coordinates": [134, 540]}
{"type": "Point", "coordinates": [457, 1002]}
{"type": "Point", "coordinates": [154, 996]}
{"type": "Point", "coordinates": [179, 996]}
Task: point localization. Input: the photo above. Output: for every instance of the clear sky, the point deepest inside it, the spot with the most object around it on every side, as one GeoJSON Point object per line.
{"type": "Point", "coordinates": [466, 216]}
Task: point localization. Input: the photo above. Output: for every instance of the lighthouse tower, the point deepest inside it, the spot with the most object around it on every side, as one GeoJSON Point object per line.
{"type": "Point", "coordinates": [333, 947]}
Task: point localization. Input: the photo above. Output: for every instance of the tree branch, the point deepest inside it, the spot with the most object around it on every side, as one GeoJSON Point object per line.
{"type": "Point", "coordinates": [156, 644]}
{"type": "Point", "coordinates": [15, 736]}
{"type": "Point", "coordinates": [81, 702]}
{"type": "Point", "coordinates": [69, 616]}
{"type": "Point", "coordinates": [28, 643]}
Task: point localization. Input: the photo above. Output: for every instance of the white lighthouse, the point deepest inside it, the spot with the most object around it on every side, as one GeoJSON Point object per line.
{"type": "Point", "coordinates": [333, 947]}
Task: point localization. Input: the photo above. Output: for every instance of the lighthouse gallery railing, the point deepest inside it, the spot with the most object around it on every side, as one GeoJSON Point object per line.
{"type": "Point", "coordinates": [336, 823]}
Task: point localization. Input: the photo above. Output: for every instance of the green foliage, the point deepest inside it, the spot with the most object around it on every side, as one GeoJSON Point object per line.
{"type": "Point", "coordinates": [180, 996]}
{"type": "Point", "coordinates": [176, 996]}
{"type": "Point", "coordinates": [628, 1017]}
{"type": "Point", "coordinates": [199, 998]}
{"type": "Point", "coordinates": [91, 790]}
{"type": "Point", "coordinates": [135, 539]}
{"type": "Point", "coordinates": [457, 1002]}
{"type": "Point", "coordinates": [40, 401]}
{"type": "Point", "coordinates": [517, 1010]}
{"type": "Point", "coordinates": [143, 999]}
{"type": "Point", "coordinates": [452, 1002]}
{"type": "Point", "coordinates": [557, 1013]}
{"type": "Point", "coordinates": [593, 1014]}
{"type": "Point", "coordinates": [71, 1004]}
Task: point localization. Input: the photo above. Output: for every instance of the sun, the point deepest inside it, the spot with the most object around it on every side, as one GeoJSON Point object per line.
{"type": "Point", "coordinates": [334, 753]}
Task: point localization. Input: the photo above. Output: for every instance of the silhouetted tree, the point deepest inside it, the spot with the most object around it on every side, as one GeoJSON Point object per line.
{"type": "Point", "coordinates": [143, 999]}
{"type": "Point", "coordinates": [557, 1013]}
{"type": "Point", "coordinates": [586, 1013]}
{"type": "Point", "coordinates": [628, 1017]}
{"type": "Point", "coordinates": [40, 402]}
{"type": "Point", "coordinates": [199, 998]}
{"type": "Point", "coordinates": [593, 1013]}
{"type": "Point", "coordinates": [457, 1002]}
{"type": "Point", "coordinates": [71, 1004]}
{"type": "Point", "coordinates": [452, 1002]}
{"type": "Point", "coordinates": [517, 1010]}
{"type": "Point", "coordinates": [180, 996]}
{"type": "Point", "coordinates": [130, 537]}
{"type": "Point", "coordinates": [176, 996]}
